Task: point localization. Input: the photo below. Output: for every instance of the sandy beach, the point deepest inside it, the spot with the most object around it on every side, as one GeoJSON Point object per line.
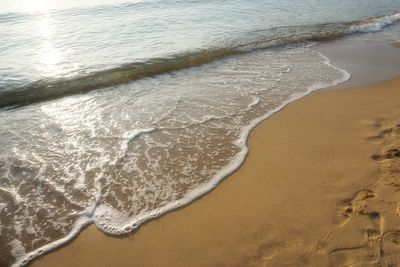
{"type": "Point", "coordinates": [319, 188]}
{"type": "Point", "coordinates": [199, 133]}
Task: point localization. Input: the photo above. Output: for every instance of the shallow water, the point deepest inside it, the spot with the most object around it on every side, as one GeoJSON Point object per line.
{"type": "Point", "coordinates": [65, 51]}
{"type": "Point", "coordinates": [129, 151]}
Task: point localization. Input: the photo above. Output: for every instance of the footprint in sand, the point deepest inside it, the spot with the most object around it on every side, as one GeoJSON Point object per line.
{"type": "Point", "coordinates": [390, 249]}
{"type": "Point", "coordinates": [367, 234]}
{"type": "Point", "coordinates": [356, 205]}
{"type": "Point", "coordinates": [390, 153]}
{"type": "Point", "coordinates": [385, 134]}
{"type": "Point", "coordinates": [354, 256]}
{"type": "Point", "coordinates": [359, 237]}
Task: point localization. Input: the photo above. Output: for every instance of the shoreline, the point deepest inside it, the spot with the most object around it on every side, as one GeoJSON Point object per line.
{"type": "Point", "coordinates": [105, 182]}
{"type": "Point", "coordinates": [253, 227]}
{"type": "Point", "coordinates": [199, 192]}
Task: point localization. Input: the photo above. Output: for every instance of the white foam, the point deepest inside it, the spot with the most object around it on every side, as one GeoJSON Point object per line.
{"type": "Point", "coordinates": [23, 259]}
{"type": "Point", "coordinates": [30, 229]}
{"type": "Point", "coordinates": [2, 206]}
{"type": "Point", "coordinates": [114, 222]}
{"type": "Point", "coordinates": [128, 137]}
{"type": "Point", "coordinates": [375, 25]}
{"type": "Point", "coordinates": [17, 250]}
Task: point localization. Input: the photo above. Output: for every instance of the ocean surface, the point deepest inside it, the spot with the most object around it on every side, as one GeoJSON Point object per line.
{"type": "Point", "coordinates": [115, 114]}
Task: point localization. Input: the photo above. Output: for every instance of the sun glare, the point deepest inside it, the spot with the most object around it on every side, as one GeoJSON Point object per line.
{"type": "Point", "coordinates": [34, 6]}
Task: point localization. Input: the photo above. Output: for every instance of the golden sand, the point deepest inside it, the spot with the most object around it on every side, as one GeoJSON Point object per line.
{"type": "Point", "coordinates": [320, 187]}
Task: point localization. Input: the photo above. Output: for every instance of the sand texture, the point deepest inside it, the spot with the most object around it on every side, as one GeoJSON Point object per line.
{"type": "Point", "coordinates": [320, 187]}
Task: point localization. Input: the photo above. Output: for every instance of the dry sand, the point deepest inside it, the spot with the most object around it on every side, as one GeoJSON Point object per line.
{"type": "Point", "coordinates": [320, 187]}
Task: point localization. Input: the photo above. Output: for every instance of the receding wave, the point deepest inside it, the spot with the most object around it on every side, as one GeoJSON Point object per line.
{"type": "Point", "coordinates": [47, 89]}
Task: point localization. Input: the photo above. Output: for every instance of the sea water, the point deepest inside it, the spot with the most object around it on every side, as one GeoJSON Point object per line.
{"type": "Point", "coordinates": [114, 114]}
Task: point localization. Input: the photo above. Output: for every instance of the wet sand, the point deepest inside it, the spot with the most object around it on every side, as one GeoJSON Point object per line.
{"type": "Point", "coordinates": [320, 187]}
